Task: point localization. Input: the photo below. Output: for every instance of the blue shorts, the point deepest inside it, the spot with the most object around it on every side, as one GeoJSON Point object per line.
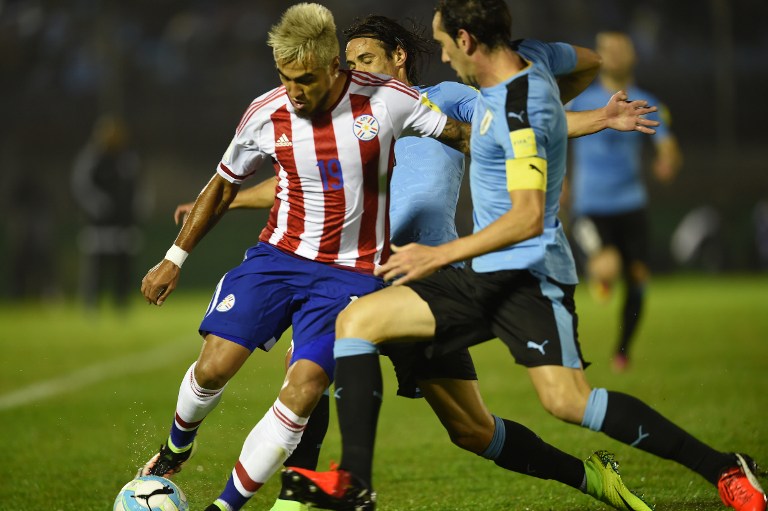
{"type": "Point", "coordinates": [255, 303]}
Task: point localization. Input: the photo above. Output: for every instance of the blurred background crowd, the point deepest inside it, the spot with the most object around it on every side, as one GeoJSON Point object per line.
{"type": "Point", "coordinates": [116, 111]}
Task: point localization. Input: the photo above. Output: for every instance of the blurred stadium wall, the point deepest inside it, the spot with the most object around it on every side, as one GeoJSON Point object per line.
{"type": "Point", "coordinates": [182, 72]}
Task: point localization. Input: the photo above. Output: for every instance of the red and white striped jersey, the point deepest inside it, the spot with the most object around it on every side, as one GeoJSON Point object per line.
{"type": "Point", "coordinates": [333, 169]}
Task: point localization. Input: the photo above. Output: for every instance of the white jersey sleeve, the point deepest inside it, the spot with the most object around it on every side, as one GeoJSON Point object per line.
{"type": "Point", "coordinates": [424, 121]}
{"type": "Point", "coordinates": [245, 153]}
{"type": "Point", "coordinates": [411, 115]}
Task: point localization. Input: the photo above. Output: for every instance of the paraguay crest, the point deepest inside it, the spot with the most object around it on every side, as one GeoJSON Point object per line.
{"type": "Point", "coordinates": [365, 127]}
{"type": "Point", "coordinates": [226, 304]}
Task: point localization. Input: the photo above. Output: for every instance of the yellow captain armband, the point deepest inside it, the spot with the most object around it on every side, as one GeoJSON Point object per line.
{"type": "Point", "coordinates": [527, 174]}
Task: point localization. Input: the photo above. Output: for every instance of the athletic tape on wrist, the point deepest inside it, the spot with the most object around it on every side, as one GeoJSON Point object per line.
{"type": "Point", "coordinates": [176, 255]}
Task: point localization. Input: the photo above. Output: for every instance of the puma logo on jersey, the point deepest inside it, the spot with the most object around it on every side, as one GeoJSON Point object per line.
{"type": "Point", "coordinates": [283, 141]}
{"type": "Point", "coordinates": [537, 169]}
{"type": "Point", "coordinates": [519, 116]}
{"type": "Point", "coordinates": [538, 347]}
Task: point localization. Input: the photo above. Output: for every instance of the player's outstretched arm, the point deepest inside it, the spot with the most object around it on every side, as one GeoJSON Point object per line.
{"type": "Point", "coordinates": [523, 221]}
{"type": "Point", "coordinates": [619, 114]}
{"type": "Point", "coordinates": [260, 196]}
{"type": "Point", "coordinates": [209, 207]}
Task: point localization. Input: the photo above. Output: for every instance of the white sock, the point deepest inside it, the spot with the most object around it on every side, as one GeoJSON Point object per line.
{"type": "Point", "coordinates": [194, 402]}
{"type": "Point", "coordinates": [268, 445]}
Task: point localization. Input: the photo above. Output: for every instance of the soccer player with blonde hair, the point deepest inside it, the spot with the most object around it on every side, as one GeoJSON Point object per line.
{"type": "Point", "coordinates": [329, 135]}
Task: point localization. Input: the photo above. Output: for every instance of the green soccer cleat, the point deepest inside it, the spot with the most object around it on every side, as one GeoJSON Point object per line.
{"type": "Point", "coordinates": [288, 505]}
{"type": "Point", "coordinates": [604, 483]}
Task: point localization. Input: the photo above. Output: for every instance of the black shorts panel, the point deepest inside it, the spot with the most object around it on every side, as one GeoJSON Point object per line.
{"type": "Point", "coordinates": [412, 365]}
{"type": "Point", "coordinates": [535, 317]}
{"type": "Point", "coordinates": [628, 232]}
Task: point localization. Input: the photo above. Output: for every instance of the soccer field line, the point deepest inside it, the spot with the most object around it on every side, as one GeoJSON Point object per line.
{"type": "Point", "coordinates": [102, 371]}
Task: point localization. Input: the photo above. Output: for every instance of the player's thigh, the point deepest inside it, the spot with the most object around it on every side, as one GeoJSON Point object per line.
{"type": "Point", "coordinates": [395, 312]}
{"type": "Point", "coordinates": [563, 391]}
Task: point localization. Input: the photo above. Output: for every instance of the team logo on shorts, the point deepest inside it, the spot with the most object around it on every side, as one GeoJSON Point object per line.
{"type": "Point", "coordinates": [226, 304]}
{"type": "Point", "coordinates": [365, 127]}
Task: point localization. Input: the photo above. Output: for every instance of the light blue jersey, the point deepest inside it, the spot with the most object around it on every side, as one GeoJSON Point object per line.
{"type": "Point", "coordinates": [427, 176]}
{"type": "Point", "coordinates": [505, 113]}
{"type": "Point", "coordinates": [607, 172]}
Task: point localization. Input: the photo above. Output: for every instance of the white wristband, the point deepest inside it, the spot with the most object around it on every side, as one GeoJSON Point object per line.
{"type": "Point", "coordinates": [176, 255]}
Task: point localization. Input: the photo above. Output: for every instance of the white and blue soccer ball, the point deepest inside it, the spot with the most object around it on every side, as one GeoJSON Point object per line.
{"type": "Point", "coordinates": [151, 493]}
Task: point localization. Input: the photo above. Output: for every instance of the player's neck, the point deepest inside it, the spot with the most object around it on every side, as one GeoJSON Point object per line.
{"type": "Point", "coordinates": [498, 66]}
{"type": "Point", "coordinates": [339, 83]}
{"type": "Point", "coordinates": [403, 76]}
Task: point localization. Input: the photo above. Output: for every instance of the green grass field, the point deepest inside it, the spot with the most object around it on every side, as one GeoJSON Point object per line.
{"type": "Point", "coordinates": [84, 401]}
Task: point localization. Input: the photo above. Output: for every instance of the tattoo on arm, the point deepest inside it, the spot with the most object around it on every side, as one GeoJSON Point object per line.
{"type": "Point", "coordinates": [456, 134]}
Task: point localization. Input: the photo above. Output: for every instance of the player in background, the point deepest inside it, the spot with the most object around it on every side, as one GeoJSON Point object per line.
{"type": "Point", "coordinates": [522, 279]}
{"type": "Point", "coordinates": [607, 193]}
{"type": "Point", "coordinates": [330, 135]}
{"type": "Point", "coordinates": [424, 194]}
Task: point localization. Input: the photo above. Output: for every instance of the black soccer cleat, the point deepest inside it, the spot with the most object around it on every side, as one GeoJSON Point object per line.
{"type": "Point", "coordinates": [167, 461]}
{"type": "Point", "coordinates": [337, 490]}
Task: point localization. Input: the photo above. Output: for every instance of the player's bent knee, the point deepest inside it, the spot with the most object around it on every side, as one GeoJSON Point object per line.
{"type": "Point", "coordinates": [564, 407]}
{"type": "Point", "coordinates": [301, 397]}
{"type": "Point", "coordinates": [354, 321]}
{"type": "Point", "coordinates": [470, 437]}
{"type": "Point", "coordinates": [210, 375]}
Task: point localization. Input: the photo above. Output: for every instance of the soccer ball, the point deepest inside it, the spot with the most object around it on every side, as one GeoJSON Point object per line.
{"type": "Point", "coordinates": [151, 493]}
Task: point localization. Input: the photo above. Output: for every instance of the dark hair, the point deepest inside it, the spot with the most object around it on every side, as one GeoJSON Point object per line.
{"type": "Point", "coordinates": [392, 34]}
{"type": "Point", "coordinates": [489, 21]}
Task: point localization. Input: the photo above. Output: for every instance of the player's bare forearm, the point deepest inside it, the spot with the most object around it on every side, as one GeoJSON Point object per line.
{"type": "Point", "coordinates": [260, 196]}
{"type": "Point", "coordinates": [619, 114]}
{"type": "Point", "coordinates": [585, 122]}
{"type": "Point", "coordinates": [584, 72]}
{"type": "Point", "coordinates": [211, 204]}
{"type": "Point", "coordinates": [456, 134]}
{"type": "Point", "coordinates": [524, 221]}
{"type": "Point", "coordinates": [208, 209]}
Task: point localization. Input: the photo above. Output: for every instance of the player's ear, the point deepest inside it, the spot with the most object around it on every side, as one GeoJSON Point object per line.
{"type": "Point", "coordinates": [400, 55]}
{"type": "Point", "coordinates": [466, 42]}
{"type": "Point", "coordinates": [335, 66]}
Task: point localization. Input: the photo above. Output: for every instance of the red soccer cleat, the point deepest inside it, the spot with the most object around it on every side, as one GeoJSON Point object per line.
{"type": "Point", "coordinates": [336, 489]}
{"type": "Point", "coordinates": [740, 489]}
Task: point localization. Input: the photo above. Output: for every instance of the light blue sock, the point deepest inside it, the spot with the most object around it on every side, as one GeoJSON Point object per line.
{"type": "Point", "coordinates": [351, 346]}
{"type": "Point", "coordinates": [497, 442]}
{"type": "Point", "coordinates": [594, 415]}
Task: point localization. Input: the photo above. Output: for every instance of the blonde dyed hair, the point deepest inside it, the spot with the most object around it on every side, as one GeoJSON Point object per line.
{"type": "Point", "coordinates": [306, 33]}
